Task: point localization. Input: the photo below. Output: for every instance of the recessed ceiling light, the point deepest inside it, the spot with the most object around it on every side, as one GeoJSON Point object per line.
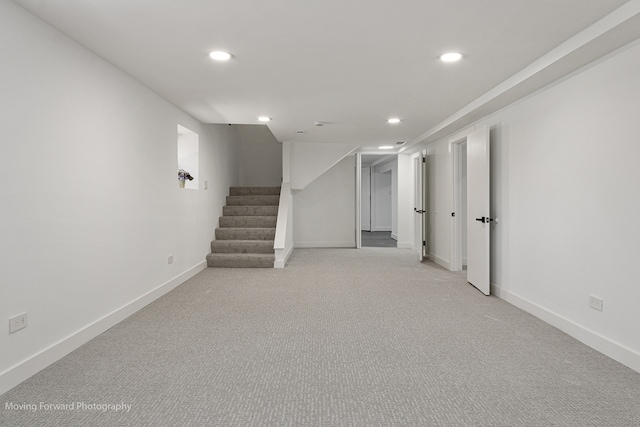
{"type": "Point", "coordinates": [386, 147]}
{"type": "Point", "coordinates": [220, 55]}
{"type": "Point", "coordinates": [393, 120]}
{"type": "Point", "coordinates": [451, 57]}
{"type": "Point", "coordinates": [264, 119]}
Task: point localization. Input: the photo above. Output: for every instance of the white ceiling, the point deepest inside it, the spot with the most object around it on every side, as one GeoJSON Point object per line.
{"type": "Point", "coordinates": [351, 64]}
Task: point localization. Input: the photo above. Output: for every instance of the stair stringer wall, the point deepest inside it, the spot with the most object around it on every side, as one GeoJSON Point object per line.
{"type": "Point", "coordinates": [309, 161]}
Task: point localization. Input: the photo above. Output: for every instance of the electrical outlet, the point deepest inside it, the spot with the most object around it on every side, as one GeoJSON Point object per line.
{"type": "Point", "coordinates": [17, 322]}
{"type": "Point", "coordinates": [170, 259]}
{"type": "Point", "coordinates": [595, 303]}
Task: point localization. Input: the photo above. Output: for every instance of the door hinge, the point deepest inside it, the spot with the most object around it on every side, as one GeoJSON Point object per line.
{"type": "Point", "coordinates": [424, 160]}
{"type": "Point", "coordinates": [424, 243]}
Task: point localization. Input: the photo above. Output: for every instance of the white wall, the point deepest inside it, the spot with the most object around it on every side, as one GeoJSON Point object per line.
{"type": "Point", "coordinates": [365, 199]}
{"type": "Point", "coordinates": [387, 206]}
{"type": "Point", "coordinates": [324, 212]}
{"type": "Point", "coordinates": [381, 201]}
{"type": "Point", "coordinates": [260, 157]}
{"type": "Point", "coordinates": [405, 202]}
{"type": "Point", "coordinates": [439, 203]}
{"type": "Point", "coordinates": [188, 156]}
{"type": "Point", "coordinates": [308, 161]}
{"type": "Point", "coordinates": [91, 207]}
{"type": "Point", "coordinates": [565, 189]}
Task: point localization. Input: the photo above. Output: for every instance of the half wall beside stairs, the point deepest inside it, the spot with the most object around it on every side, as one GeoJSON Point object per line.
{"type": "Point", "coordinates": [247, 229]}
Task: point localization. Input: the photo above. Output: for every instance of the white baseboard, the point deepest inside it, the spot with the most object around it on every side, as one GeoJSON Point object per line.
{"type": "Point", "coordinates": [394, 236]}
{"type": "Point", "coordinates": [34, 364]}
{"type": "Point", "coordinates": [337, 244]}
{"type": "Point", "coordinates": [405, 245]}
{"type": "Point", "coordinates": [381, 229]}
{"type": "Point", "coordinates": [282, 257]}
{"type": "Point", "coordinates": [604, 345]}
{"type": "Point", "coordinates": [440, 261]}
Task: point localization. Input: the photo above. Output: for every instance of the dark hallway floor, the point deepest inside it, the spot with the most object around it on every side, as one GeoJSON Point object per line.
{"type": "Point", "coordinates": [378, 239]}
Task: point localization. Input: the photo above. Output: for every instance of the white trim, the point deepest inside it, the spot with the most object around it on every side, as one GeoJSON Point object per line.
{"type": "Point", "coordinates": [44, 358]}
{"type": "Point", "coordinates": [381, 229]}
{"type": "Point", "coordinates": [282, 256]}
{"type": "Point", "coordinates": [604, 345]}
{"type": "Point", "coordinates": [440, 261]}
{"type": "Point", "coordinates": [338, 244]}
{"type": "Point", "coordinates": [455, 142]}
{"type": "Point", "coordinates": [405, 245]}
{"type": "Point", "coordinates": [394, 236]}
{"type": "Point", "coordinates": [358, 230]}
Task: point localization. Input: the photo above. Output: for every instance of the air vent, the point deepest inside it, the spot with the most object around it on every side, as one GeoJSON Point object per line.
{"type": "Point", "coordinates": [400, 142]}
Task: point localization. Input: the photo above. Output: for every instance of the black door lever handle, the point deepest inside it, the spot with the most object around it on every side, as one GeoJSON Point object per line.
{"type": "Point", "coordinates": [484, 219]}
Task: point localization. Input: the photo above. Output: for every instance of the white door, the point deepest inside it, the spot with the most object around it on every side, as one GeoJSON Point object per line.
{"type": "Point", "coordinates": [419, 203]}
{"type": "Point", "coordinates": [366, 199]}
{"type": "Point", "coordinates": [478, 216]}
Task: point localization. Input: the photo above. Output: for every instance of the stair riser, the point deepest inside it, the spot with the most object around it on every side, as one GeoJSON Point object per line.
{"type": "Point", "coordinates": [248, 221]}
{"type": "Point", "coordinates": [251, 191]}
{"type": "Point", "coordinates": [241, 246]}
{"type": "Point", "coordinates": [222, 261]}
{"type": "Point", "coordinates": [250, 210]}
{"type": "Point", "coordinates": [245, 233]}
{"type": "Point", "coordinates": [253, 200]}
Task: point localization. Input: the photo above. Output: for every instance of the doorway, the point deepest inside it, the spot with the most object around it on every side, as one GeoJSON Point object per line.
{"type": "Point", "coordinates": [471, 243]}
{"type": "Point", "coordinates": [378, 201]}
{"type": "Point", "coordinates": [460, 206]}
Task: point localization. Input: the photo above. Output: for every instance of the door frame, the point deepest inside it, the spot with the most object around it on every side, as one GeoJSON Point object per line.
{"type": "Point", "coordinates": [455, 149]}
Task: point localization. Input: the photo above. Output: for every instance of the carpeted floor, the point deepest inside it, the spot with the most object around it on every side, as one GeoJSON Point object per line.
{"type": "Point", "coordinates": [341, 337]}
{"type": "Point", "coordinates": [378, 239]}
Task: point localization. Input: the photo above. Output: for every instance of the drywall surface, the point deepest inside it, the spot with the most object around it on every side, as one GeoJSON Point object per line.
{"type": "Point", "coordinates": [381, 201]}
{"type": "Point", "coordinates": [308, 161]}
{"type": "Point", "coordinates": [91, 206]}
{"type": "Point", "coordinates": [260, 156]}
{"type": "Point", "coordinates": [324, 213]}
{"type": "Point", "coordinates": [439, 203]}
{"type": "Point", "coordinates": [565, 190]}
{"type": "Point", "coordinates": [405, 202]}
{"type": "Point", "coordinates": [387, 204]}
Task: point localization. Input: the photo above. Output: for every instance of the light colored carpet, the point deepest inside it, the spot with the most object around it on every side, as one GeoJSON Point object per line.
{"type": "Point", "coordinates": [341, 337]}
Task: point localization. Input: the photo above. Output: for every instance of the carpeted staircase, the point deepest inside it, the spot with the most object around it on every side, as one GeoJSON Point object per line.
{"type": "Point", "coordinates": [247, 229]}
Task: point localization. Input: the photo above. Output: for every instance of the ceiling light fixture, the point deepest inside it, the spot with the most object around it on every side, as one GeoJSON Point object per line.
{"type": "Point", "coordinates": [451, 57]}
{"type": "Point", "coordinates": [264, 119]}
{"type": "Point", "coordinates": [386, 147]}
{"type": "Point", "coordinates": [220, 55]}
{"type": "Point", "coordinates": [393, 120]}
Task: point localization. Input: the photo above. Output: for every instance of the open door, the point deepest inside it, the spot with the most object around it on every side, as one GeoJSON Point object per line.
{"type": "Point", "coordinates": [419, 207]}
{"type": "Point", "coordinates": [478, 205]}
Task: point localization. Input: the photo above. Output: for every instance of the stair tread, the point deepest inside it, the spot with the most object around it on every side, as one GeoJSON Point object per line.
{"type": "Point", "coordinates": [246, 255]}
{"type": "Point", "coordinates": [237, 191]}
{"type": "Point", "coordinates": [242, 246]}
{"type": "Point", "coordinates": [245, 228]}
{"type": "Point", "coordinates": [248, 221]}
{"type": "Point", "coordinates": [253, 200]}
{"type": "Point", "coordinates": [227, 242]}
{"type": "Point", "coordinates": [250, 210]}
